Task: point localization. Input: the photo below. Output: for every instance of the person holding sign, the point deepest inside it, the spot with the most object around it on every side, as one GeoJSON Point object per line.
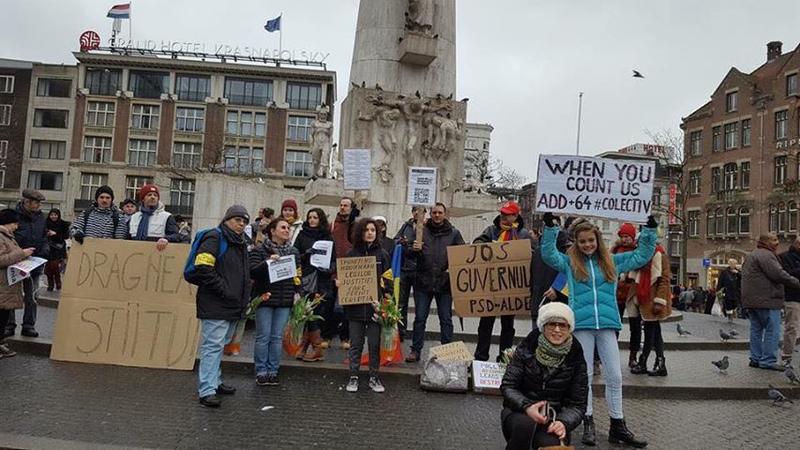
{"type": "Point", "coordinates": [272, 314]}
{"type": "Point", "coordinates": [507, 226]}
{"type": "Point", "coordinates": [360, 316]}
{"type": "Point", "coordinates": [10, 254]}
{"type": "Point", "coordinates": [546, 373]}
{"type": "Point", "coordinates": [592, 273]}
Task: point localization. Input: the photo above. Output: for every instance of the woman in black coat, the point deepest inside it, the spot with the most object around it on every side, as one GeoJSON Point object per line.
{"type": "Point", "coordinates": [545, 378]}
{"type": "Point", "coordinates": [57, 233]}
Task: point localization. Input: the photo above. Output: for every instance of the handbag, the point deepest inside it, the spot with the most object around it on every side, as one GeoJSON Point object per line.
{"type": "Point", "coordinates": [551, 414]}
{"type": "Point", "coordinates": [445, 376]}
{"type": "Point", "coordinates": [716, 310]}
{"type": "Point", "coordinates": [309, 283]}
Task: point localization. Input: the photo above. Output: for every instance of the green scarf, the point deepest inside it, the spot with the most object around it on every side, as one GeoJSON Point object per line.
{"type": "Point", "coordinates": [550, 355]}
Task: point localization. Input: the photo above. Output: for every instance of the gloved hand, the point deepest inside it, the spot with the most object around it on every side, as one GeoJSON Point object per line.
{"type": "Point", "coordinates": [651, 222]}
{"type": "Point", "coordinates": [78, 237]}
{"type": "Point", "coordinates": [549, 219]}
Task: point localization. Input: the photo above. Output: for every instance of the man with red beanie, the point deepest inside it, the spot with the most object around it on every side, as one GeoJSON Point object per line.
{"type": "Point", "coordinates": [626, 291]}
{"type": "Point", "coordinates": [290, 212]}
{"type": "Point", "coordinates": [153, 222]}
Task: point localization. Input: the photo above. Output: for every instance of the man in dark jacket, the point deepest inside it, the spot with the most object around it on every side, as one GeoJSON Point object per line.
{"type": "Point", "coordinates": [335, 322]}
{"type": "Point", "coordinates": [507, 226]}
{"type": "Point", "coordinates": [790, 260]}
{"type": "Point", "coordinates": [222, 295]}
{"type": "Point", "coordinates": [408, 271]}
{"type": "Point", "coordinates": [433, 279]}
{"type": "Point", "coordinates": [730, 280]}
{"type": "Point", "coordinates": [31, 233]}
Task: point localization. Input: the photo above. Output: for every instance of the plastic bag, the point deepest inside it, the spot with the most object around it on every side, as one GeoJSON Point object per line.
{"type": "Point", "coordinates": [445, 376]}
{"type": "Point", "coordinates": [309, 283]}
{"type": "Point", "coordinates": [293, 338]}
{"type": "Point", "coordinates": [716, 310]}
{"type": "Point", "coordinates": [391, 350]}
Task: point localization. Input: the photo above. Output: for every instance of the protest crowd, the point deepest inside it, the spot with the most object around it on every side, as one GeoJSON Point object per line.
{"type": "Point", "coordinates": [579, 292]}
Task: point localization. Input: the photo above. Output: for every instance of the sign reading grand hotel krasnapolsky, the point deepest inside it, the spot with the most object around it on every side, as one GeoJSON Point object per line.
{"type": "Point", "coordinates": [222, 49]}
{"type": "Point", "coordinates": [614, 189]}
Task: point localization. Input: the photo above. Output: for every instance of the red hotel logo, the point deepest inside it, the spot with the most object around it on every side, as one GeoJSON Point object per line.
{"type": "Point", "coordinates": [90, 40]}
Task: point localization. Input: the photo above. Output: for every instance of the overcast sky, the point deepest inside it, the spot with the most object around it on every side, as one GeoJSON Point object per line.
{"type": "Point", "coordinates": [521, 63]}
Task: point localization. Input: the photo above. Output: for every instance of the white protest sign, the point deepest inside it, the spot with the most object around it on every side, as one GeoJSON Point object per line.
{"type": "Point", "coordinates": [21, 270]}
{"type": "Point", "coordinates": [422, 186]}
{"type": "Point", "coordinates": [282, 268]}
{"type": "Point", "coordinates": [322, 260]}
{"type": "Point", "coordinates": [615, 189]}
{"type": "Point", "coordinates": [357, 164]}
{"type": "Point", "coordinates": [487, 376]}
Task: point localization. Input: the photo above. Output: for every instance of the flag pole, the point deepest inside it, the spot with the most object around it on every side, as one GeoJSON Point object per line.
{"type": "Point", "coordinates": [280, 36]}
{"type": "Point", "coordinates": [130, 23]}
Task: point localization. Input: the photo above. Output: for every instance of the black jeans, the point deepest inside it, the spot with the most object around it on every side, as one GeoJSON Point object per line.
{"type": "Point", "coordinates": [635, 324]}
{"type": "Point", "coordinates": [4, 315]}
{"type": "Point", "coordinates": [522, 433]}
{"type": "Point", "coordinates": [358, 330]}
{"type": "Point", "coordinates": [335, 323]}
{"type": "Point", "coordinates": [652, 339]}
{"type": "Point", "coordinates": [485, 329]}
{"type": "Point", "coordinates": [29, 287]}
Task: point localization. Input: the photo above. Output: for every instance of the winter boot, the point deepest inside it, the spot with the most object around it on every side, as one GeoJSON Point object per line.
{"type": "Point", "coordinates": [660, 369]}
{"type": "Point", "coordinates": [632, 360]}
{"type": "Point", "coordinates": [315, 352]}
{"type": "Point", "coordinates": [618, 433]}
{"type": "Point", "coordinates": [301, 352]}
{"type": "Point", "coordinates": [640, 368]}
{"type": "Point", "coordinates": [589, 436]}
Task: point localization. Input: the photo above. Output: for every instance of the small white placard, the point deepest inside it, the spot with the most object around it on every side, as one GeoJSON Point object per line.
{"type": "Point", "coordinates": [357, 164]}
{"type": "Point", "coordinates": [422, 186]}
{"type": "Point", "coordinates": [281, 269]}
{"type": "Point", "coordinates": [21, 270]}
{"type": "Point", "coordinates": [322, 260]}
{"type": "Point", "coordinates": [487, 376]}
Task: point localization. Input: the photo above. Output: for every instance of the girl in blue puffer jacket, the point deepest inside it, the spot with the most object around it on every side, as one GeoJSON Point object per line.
{"type": "Point", "coordinates": [592, 273]}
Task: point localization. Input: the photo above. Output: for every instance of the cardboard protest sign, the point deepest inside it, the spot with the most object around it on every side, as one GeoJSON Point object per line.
{"type": "Point", "coordinates": [125, 303]}
{"type": "Point", "coordinates": [358, 280]}
{"type": "Point", "coordinates": [614, 189]}
{"type": "Point", "coordinates": [357, 173]}
{"type": "Point", "coordinates": [322, 258]}
{"type": "Point", "coordinates": [454, 351]}
{"type": "Point", "coordinates": [487, 376]}
{"type": "Point", "coordinates": [422, 186]}
{"type": "Point", "coordinates": [490, 279]}
{"type": "Point", "coordinates": [21, 270]}
{"type": "Point", "coordinates": [282, 268]}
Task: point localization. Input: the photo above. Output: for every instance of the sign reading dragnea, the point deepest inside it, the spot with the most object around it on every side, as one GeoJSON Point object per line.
{"type": "Point", "coordinates": [608, 188]}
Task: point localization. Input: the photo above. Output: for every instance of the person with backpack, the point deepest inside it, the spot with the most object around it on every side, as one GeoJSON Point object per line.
{"type": "Point", "coordinates": [102, 220]}
{"type": "Point", "coordinates": [218, 265]}
{"type": "Point", "coordinates": [153, 222]}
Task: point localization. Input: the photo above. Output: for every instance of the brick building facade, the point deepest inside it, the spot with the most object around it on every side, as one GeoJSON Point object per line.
{"type": "Point", "coordinates": [15, 83]}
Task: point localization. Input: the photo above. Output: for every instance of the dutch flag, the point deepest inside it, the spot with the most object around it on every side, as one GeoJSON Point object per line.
{"type": "Point", "coordinates": [122, 11]}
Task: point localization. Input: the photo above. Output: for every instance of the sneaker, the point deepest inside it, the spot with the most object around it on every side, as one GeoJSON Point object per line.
{"type": "Point", "coordinates": [345, 345]}
{"type": "Point", "coordinates": [6, 352]}
{"type": "Point", "coordinates": [224, 389]}
{"type": "Point", "coordinates": [375, 385]}
{"type": "Point", "coordinates": [262, 380]}
{"type": "Point", "coordinates": [272, 380]}
{"type": "Point", "coordinates": [352, 385]}
{"type": "Point", "coordinates": [210, 401]}
{"type": "Point", "coordinates": [753, 364]}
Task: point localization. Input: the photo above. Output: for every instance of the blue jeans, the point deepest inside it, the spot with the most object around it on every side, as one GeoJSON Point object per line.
{"type": "Point", "coordinates": [765, 331]}
{"type": "Point", "coordinates": [605, 341]}
{"type": "Point", "coordinates": [214, 335]}
{"type": "Point", "coordinates": [422, 307]}
{"type": "Point", "coordinates": [270, 323]}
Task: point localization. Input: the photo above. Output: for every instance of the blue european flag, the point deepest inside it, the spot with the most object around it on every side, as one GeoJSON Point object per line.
{"type": "Point", "coordinates": [273, 24]}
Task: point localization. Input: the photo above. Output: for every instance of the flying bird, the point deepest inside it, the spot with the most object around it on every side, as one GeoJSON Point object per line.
{"type": "Point", "coordinates": [722, 364]}
{"type": "Point", "coordinates": [465, 99]}
{"type": "Point", "coordinates": [777, 396]}
{"type": "Point", "coordinates": [791, 375]}
{"type": "Point", "coordinates": [636, 74]}
{"type": "Point", "coordinates": [725, 336]}
{"type": "Point", "coordinates": [682, 331]}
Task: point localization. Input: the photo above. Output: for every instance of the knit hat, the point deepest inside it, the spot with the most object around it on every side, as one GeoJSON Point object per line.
{"type": "Point", "coordinates": [627, 229]}
{"type": "Point", "coordinates": [32, 194]}
{"type": "Point", "coordinates": [105, 189]}
{"type": "Point", "coordinates": [148, 188]}
{"type": "Point", "coordinates": [510, 207]}
{"type": "Point", "coordinates": [379, 218]}
{"type": "Point", "coordinates": [236, 211]}
{"type": "Point", "coordinates": [555, 310]}
{"type": "Point", "coordinates": [127, 201]}
{"type": "Point", "coordinates": [8, 216]}
{"type": "Point", "coordinates": [289, 203]}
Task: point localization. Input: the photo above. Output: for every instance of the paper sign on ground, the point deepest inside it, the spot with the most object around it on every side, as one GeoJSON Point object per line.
{"type": "Point", "coordinates": [422, 186]}
{"type": "Point", "coordinates": [282, 268]}
{"type": "Point", "coordinates": [322, 259]}
{"type": "Point", "coordinates": [126, 303]}
{"type": "Point", "coordinates": [615, 189]}
{"type": "Point", "coordinates": [21, 270]}
{"type": "Point", "coordinates": [487, 376]}
{"type": "Point", "coordinates": [357, 164]}
{"type": "Point", "coordinates": [490, 279]}
{"type": "Point", "coordinates": [358, 280]}
{"type": "Point", "coordinates": [454, 351]}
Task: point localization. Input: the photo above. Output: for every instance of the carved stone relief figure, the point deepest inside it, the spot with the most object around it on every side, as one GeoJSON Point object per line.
{"type": "Point", "coordinates": [385, 120]}
{"type": "Point", "coordinates": [419, 16]}
{"type": "Point", "coordinates": [321, 130]}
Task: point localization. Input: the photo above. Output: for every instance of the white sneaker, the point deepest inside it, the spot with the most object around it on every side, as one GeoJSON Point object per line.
{"type": "Point", "coordinates": [375, 385]}
{"type": "Point", "coordinates": [352, 385]}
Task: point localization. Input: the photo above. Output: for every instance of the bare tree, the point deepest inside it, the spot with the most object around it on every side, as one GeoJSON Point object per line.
{"type": "Point", "coordinates": [492, 173]}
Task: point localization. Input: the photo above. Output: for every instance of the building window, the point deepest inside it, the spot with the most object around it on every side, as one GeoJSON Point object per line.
{"type": "Point", "coordinates": [186, 155]}
{"type": "Point", "coordinates": [133, 184]}
{"type": "Point", "coordinates": [142, 153]}
{"type": "Point", "coordinates": [731, 135]}
{"type": "Point", "coordinates": [791, 84]}
{"type": "Point", "coordinates": [53, 87]}
{"type": "Point", "coordinates": [45, 181]}
{"type": "Point", "coordinates": [244, 160]}
{"type": "Point", "coordinates": [145, 117]}
{"type": "Point", "coordinates": [103, 81]}
{"type": "Point", "coordinates": [746, 133]}
{"type": "Point", "coordinates": [248, 92]}
{"type": "Point", "coordinates": [716, 139]}
{"type": "Point", "coordinates": [729, 181]}
{"type": "Point", "coordinates": [298, 164]}
{"type": "Point", "coordinates": [782, 217]}
{"type": "Point", "coordinates": [773, 219]}
{"type": "Point", "coordinates": [300, 128]}
{"type": "Point", "coordinates": [181, 193]}
{"type": "Point", "coordinates": [710, 229]}
{"type": "Point", "coordinates": [6, 84]}
{"type": "Point", "coordinates": [50, 118]}
{"type": "Point", "coordinates": [303, 96]}
{"type": "Point", "coordinates": [792, 217]}
{"type": "Point", "coordinates": [781, 124]}
{"type": "Point", "coordinates": [731, 101]}
{"type": "Point", "coordinates": [694, 223]}
{"type": "Point", "coordinates": [5, 114]}
{"type": "Point", "coordinates": [716, 179]}
{"type": "Point", "coordinates": [97, 149]}
{"type": "Point", "coordinates": [3, 152]}
{"type": "Point", "coordinates": [744, 175]}
{"type": "Point", "coordinates": [694, 181]}
{"type": "Point", "coordinates": [719, 224]}
{"type": "Point", "coordinates": [190, 119]}
{"type": "Point", "coordinates": [656, 197]}
{"type": "Point", "coordinates": [90, 182]}
{"type": "Point", "coordinates": [744, 220]}
{"type": "Point", "coordinates": [696, 142]}
{"type": "Point", "coordinates": [100, 114]}
{"type": "Point", "coordinates": [780, 170]}
{"type": "Point", "coordinates": [246, 123]}
{"type": "Point", "coordinates": [48, 149]}
{"type": "Point", "coordinates": [192, 88]}
{"type": "Point", "coordinates": [732, 221]}
{"type": "Point", "coordinates": [2, 179]}
{"type": "Point", "coordinates": [148, 84]}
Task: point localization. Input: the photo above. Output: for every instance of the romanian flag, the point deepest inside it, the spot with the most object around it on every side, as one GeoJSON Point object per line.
{"type": "Point", "coordinates": [122, 11]}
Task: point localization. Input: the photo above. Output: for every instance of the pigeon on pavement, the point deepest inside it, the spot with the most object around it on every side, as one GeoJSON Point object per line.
{"type": "Point", "coordinates": [777, 396]}
{"type": "Point", "coordinates": [791, 375]}
{"type": "Point", "coordinates": [682, 331]}
{"type": "Point", "coordinates": [725, 336]}
{"type": "Point", "coordinates": [722, 364]}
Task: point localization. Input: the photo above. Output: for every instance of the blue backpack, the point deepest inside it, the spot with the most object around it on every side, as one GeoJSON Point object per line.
{"type": "Point", "coordinates": [189, 269]}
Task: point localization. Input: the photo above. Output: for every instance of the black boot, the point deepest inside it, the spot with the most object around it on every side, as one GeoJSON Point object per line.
{"type": "Point", "coordinates": [589, 436]}
{"type": "Point", "coordinates": [660, 369]}
{"type": "Point", "coordinates": [618, 433]}
{"type": "Point", "coordinates": [640, 368]}
{"type": "Point", "coordinates": [632, 360]}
